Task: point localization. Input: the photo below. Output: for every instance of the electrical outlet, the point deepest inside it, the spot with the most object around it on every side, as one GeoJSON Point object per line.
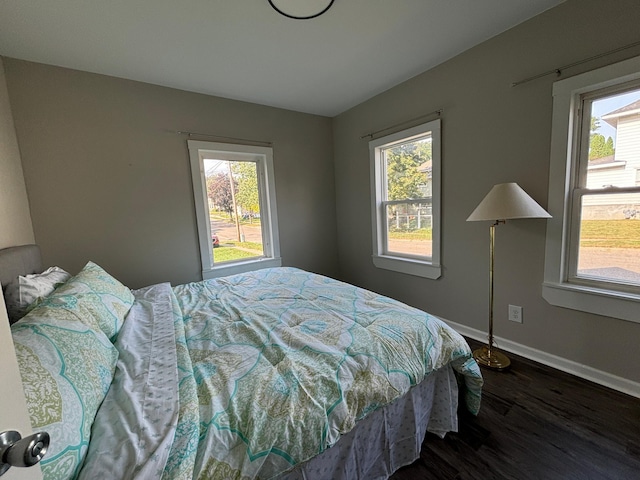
{"type": "Point", "coordinates": [515, 313]}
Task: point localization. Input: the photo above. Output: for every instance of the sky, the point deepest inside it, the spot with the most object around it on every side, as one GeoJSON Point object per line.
{"type": "Point", "coordinates": [212, 167]}
{"type": "Point", "coordinates": [607, 105]}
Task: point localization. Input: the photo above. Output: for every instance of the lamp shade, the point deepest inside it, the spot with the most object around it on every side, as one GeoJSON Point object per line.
{"type": "Point", "coordinates": [507, 201]}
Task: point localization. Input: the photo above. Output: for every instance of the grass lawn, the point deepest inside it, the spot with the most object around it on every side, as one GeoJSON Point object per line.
{"type": "Point", "coordinates": [610, 233]}
{"type": "Point", "coordinates": [595, 233]}
{"type": "Point", "coordinates": [226, 218]}
{"type": "Point", "coordinates": [230, 251]}
{"type": "Point", "coordinates": [422, 234]}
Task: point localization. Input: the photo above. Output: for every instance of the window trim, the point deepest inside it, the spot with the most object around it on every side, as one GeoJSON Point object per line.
{"type": "Point", "coordinates": [263, 156]}
{"type": "Point", "coordinates": [405, 264]}
{"type": "Point", "coordinates": [556, 288]}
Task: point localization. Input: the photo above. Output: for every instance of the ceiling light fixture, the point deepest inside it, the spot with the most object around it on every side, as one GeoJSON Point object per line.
{"type": "Point", "coordinates": [301, 9]}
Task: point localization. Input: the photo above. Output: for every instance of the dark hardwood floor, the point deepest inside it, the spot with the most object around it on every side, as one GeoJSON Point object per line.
{"type": "Point", "coordinates": [537, 423]}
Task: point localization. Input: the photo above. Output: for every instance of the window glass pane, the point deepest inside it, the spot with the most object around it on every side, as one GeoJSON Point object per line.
{"type": "Point", "coordinates": [409, 228]}
{"type": "Point", "coordinates": [234, 209]}
{"type": "Point", "coordinates": [589, 197]}
{"type": "Point", "coordinates": [405, 194]}
{"type": "Point", "coordinates": [614, 141]}
{"type": "Point", "coordinates": [609, 247]}
{"type": "Point", "coordinates": [408, 168]}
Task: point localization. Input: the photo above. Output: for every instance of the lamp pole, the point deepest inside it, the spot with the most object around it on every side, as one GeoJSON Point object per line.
{"type": "Point", "coordinates": [487, 356]}
{"type": "Point", "coordinates": [233, 199]}
{"type": "Point", "coordinates": [492, 249]}
{"type": "Point", "coordinates": [505, 201]}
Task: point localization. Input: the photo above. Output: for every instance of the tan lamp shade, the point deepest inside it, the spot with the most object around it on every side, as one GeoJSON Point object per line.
{"type": "Point", "coordinates": [507, 201]}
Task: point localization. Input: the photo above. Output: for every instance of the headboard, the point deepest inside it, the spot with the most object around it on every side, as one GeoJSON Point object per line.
{"type": "Point", "coordinates": [21, 260]}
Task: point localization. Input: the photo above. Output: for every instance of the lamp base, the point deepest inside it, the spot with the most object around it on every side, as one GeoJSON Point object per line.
{"type": "Point", "coordinates": [493, 360]}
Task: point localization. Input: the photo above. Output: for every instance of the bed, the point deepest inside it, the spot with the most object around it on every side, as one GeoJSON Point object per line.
{"type": "Point", "coordinates": [276, 373]}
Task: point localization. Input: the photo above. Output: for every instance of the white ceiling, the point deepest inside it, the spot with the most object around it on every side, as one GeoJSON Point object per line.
{"type": "Point", "coordinates": [245, 50]}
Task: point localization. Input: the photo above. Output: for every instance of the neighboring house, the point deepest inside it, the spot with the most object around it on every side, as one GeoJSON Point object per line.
{"type": "Point", "coordinates": [622, 169]}
{"type": "Point", "coordinates": [425, 189]}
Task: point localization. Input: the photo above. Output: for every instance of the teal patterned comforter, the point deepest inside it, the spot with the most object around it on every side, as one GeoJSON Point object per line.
{"type": "Point", "coordinates": [277, 364]}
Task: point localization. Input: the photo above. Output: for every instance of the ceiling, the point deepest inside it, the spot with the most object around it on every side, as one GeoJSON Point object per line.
{"type": "Point", "coordinates": [245, 50]}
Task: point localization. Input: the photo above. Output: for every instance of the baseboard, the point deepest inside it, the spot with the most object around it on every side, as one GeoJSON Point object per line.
{"type": "Point", "coordinates": [588, 373]}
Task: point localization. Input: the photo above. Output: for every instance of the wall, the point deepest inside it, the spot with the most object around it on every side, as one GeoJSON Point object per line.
{"type": "Point", "coordinates": [15, 218]}
{"type": "Point", "coordinates": [108, 178]}
{"type": "Point", "coordinates": [492, 133]}
{"type": "Point", "coordinates": [15, 229]}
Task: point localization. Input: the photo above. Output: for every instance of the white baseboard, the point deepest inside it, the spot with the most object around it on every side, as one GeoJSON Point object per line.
{"type": "Point", "coordinates": [583, 371]}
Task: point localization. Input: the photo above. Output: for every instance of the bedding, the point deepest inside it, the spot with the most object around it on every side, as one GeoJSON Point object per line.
{"type": "Point", "coordinates": [67, 361]}
{"type": "Point", "coordinates": [66, 367]}
{"type": "Point", "coordinates": [102, 298]}
{"type": "Point", "coordinates": [25, 291]}
{"type": "Point", "coordinates": [277, 373]}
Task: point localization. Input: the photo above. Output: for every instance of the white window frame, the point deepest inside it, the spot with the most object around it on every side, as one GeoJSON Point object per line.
{"type": "Point", "coordinates": [263, 157]}
{"type": "Point", "coordinates": [418, 266]}
{"type": "Point", "coordinates": [559, 288]}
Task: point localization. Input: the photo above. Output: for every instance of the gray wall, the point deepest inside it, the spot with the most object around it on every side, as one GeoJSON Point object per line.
{"type": "Point", "coordinates": [15, 218]}
{"type": "Point", "coordinates": [108, 178]}
{"type": "Point", "coordinates": [492, 133]}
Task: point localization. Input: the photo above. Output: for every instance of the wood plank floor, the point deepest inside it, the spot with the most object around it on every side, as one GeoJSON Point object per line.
{"type": "Point", "coordinates": [537, 423]}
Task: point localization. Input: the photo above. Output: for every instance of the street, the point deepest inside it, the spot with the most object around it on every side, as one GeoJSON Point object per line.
{"type": "Point", "coordinates": [592, 258]}
{"type": "Point", "coordinates": [227, 232]}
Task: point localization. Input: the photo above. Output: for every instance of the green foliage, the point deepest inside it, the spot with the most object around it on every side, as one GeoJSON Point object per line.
{"type": "Point", "coordinates": [246, 176]}
{"type": "Point", "coordinates": [409, 170]}
{"type": "Point", "coordinates": [245, 184]}
{"type": "Point", "coordinates": [230, 251]}
{"type": "Point", "coordinates": [228, 254]}
{"type": "Point", "coordinates": [418, 235]}
{"type": "Point", "coordinates": [598, 146]}
{"type": "Point", "coordinates": [219, 191]}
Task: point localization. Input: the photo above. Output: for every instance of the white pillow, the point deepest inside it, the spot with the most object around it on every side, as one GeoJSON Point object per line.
{"type": "Point", "coordinates": [25, 292]}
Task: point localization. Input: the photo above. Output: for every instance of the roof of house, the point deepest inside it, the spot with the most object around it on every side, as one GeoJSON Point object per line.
{"type": "Point", "coordinates": [612, 117]}
{"type": "Point", "coordinates": [602, 160]}
{"type": "Point", "coordinates": [605, 162]}
{"type": "Point", "coordinates": [425, 167]}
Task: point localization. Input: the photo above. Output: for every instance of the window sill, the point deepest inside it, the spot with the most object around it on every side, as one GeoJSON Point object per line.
{"type": "Point", "coordinates": [241, 267]}
{"type": "Point", "coordinates": [608, 303]}
{"type": "Point", "coordinates": [408, 266]}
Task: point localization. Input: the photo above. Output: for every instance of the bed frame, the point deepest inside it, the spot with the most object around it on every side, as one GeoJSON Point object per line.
{"type": "Point", "coordinates": [21, 260]}
{"type": "Point", "coordinates": [26, 259]}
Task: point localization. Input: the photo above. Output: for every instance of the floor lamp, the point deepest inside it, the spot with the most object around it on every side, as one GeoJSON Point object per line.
{"type": "Point", "coordinates": [505, 201]}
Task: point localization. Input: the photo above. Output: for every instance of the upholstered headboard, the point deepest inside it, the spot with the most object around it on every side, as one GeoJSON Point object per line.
{"type": "Point", "coordinates": [22, 260]}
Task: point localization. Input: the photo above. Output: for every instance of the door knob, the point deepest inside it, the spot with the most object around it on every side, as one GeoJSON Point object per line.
{"type": "Point", "coordinates": [16, 451]}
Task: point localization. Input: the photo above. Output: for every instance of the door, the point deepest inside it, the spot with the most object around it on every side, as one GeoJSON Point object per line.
{"type": "Point", "coordinates": [13, 408]}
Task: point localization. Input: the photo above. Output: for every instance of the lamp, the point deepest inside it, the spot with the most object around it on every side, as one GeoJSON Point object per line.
{"type": "Point", "coordinates": [301, 9]}
{"type": "Point", "coordinates": [505, 201]}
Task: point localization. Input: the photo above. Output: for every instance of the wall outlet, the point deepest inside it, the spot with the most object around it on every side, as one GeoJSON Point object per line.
{"type": "Point", "coordinates": [515, 313]}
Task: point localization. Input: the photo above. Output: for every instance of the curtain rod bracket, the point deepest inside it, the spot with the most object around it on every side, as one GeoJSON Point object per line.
{"type": "Point", "coordinates": [421, 117]}
{"type": "Point", "coordinates": [243, 141]}
{"type": "Point", "coordinates": [558, 71]}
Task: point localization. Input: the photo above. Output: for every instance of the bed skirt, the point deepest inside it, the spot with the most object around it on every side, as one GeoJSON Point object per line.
{"type": "Point", "coordinates": [391, 437]}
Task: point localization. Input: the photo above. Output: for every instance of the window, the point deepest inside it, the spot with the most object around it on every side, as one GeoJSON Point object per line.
{"type": "Point", "coordinates": [405, 173]}
{"type": "Point", "coordinates": [235, 207]}
{"type": "Point", "coordinates": [593, 241]}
